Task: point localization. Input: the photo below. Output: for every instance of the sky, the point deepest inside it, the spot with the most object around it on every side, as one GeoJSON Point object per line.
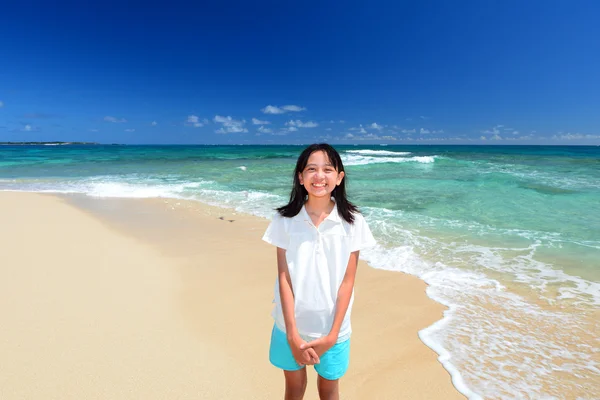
{"type": "Point", "coordinates": [395, 72]}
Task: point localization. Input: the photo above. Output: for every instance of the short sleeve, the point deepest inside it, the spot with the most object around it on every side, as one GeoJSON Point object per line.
{"type": "Point", "coordinates": [361, 234]}
{"type": "Point", "coordinates": [276, 233]}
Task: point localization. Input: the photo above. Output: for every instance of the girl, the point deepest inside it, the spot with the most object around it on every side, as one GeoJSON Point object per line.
{"type": "Point", "coordinates": [318, 235]}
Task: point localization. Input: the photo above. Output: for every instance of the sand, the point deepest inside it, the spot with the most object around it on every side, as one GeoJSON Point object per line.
{"type": "Point", "coordinates": [163, 299]}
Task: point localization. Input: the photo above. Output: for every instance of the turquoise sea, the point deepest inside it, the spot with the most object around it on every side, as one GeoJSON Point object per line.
{"type": "Point", "coordinates": [508, 237]}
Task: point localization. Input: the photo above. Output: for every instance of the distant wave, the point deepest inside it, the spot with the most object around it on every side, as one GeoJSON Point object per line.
{"type": "Point", "coordinates": [365, 160]}
{"type": "Point", "coordinates": [379, 152]}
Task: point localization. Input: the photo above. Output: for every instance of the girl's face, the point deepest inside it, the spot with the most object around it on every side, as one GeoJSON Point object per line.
{"type": "Point", "coordinates": [319, 177]}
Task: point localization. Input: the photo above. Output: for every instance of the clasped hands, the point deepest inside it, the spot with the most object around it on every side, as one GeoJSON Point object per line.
{"type": "Point", "coordinates": [309, 353]}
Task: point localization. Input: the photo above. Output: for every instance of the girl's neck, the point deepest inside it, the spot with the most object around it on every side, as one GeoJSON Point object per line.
{"type": "Point", "coordinates": [319, 205]}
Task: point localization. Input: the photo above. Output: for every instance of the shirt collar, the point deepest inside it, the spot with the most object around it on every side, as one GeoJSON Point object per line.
{"type": "Point", "coordinates": [333, 216]}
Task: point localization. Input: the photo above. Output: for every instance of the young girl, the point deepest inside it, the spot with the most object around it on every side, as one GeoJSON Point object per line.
{"type": "Point", "coordinates": [318, 235]}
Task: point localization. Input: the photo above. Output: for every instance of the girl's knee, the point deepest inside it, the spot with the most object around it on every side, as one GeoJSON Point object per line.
{"type": "Point", "coordinates": [295, 383]}
{"type": "Point", "coordinates": [328, 389]}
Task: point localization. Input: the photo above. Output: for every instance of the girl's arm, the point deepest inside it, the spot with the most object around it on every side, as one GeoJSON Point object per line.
{"type": "Point", "coordinates": [344, 295]}
{"type": "Point", "coordinates": [286, 293]}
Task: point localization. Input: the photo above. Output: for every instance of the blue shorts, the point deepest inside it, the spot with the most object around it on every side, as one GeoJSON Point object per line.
{"type": "Point", "coordinates": [334, 363]}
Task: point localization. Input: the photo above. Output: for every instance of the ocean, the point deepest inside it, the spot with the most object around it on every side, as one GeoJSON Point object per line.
{"type": "Point", "coordinates": [507, 237]}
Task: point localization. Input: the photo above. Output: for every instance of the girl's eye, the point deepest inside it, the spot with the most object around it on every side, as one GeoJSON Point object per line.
{"type": "Point", "coordinates": [310, 169]}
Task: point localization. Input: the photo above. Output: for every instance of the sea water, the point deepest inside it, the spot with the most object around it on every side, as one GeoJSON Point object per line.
{"type": "Point", "coordinates": [508, 237]}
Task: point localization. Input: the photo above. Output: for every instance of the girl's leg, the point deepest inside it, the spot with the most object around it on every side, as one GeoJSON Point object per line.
{"type": "Point", "coordinates": [328, 390]}
{"type": "Point", "coordinates": [295, 384]}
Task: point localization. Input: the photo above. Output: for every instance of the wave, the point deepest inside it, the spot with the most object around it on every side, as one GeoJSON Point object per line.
{"type": "Point", "coordinates": [352, 159]}
{"type": "Point", "coordinates": [379, 152]}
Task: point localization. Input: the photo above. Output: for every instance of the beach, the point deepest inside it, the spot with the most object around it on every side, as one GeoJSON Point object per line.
{"type": "Point", "coordinates": [166, 298]}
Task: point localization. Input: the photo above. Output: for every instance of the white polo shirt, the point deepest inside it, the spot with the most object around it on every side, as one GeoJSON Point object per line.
{"type": "Point", "coordinates": [317, 259]}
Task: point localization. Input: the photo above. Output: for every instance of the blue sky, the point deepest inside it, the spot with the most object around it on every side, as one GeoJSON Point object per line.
{"type": "Point", "coordinates": [490, 72]}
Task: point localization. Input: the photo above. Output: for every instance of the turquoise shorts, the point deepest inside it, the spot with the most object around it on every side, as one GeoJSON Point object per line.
{"type": "Point", "coordinates": [334, 363]}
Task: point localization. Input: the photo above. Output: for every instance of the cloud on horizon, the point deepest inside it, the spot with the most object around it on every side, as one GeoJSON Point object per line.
{"type": "Point", "coordinates": [230, 125]}
{"type": "Point", "coordinates": [194, 120]}
{"type": "Point", "coordinates": [300, 124]}
{"type": "Point", "coordinates": [256, 121]}
{"type": "Point", "coordinates": [282, 110]}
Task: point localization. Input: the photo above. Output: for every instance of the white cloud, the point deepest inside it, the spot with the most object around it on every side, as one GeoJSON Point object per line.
{"type": "Point", "coordinates": [495, 131]}
{"type": "Point", "coordinates": [342, 121]}
{"type": "Point", "coordinates": [409, 131]}
{"type": "Point", "coordinates": [27, 128]}
{"type": "Point", "coordinates": [94, 130]}
{"type": "Point", "coordinates": [375, 125]}
{"type": "Point", "coordinates": [262, 129]}
{"type": "Point", "coordinates": [230, 125]}
{"type": "Point", "coordinates": [1, 104]}
{"type": "Point", "coordinates": [300, 124]}
{"type": "Point", "coordinates": [194, 121]}
{"type": "Point", "coordinates": [328, 129]}
{"type": "Point", "coordinates": [272, 110]}
{"type": "Point", "coordinates": [423, 117]}
{"type": "Point", "coordinates": [292, 129]}
{"type": "Point", "coordinates": [282, 110]}
{"type": "Point", "coordinates": [370, 136]}
{"type": "Point", "coordinates": [482, 138]}
{"type": "Point", "coordinates": [256, 121]}
{"type": "Point", "coordinates": [574, 136]}
{"type": "Point", "coordinates": [154, 123]}
{"type": "Point", "coordinates": [424, 131]}
{"type": "Point", "coordinates": [108, 118]}
{"type": "Point", "coordinates": [496, 137]}
{"type": "Point", "coordinates": [293, 108]}
{"type": "Point", "coordinates": [129, 130]}
{"type": "Point", "coordinates": [360, 129]}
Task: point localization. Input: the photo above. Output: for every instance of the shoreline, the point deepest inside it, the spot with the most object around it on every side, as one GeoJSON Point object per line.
{"type": "Point", "coordinates": [188, 240]}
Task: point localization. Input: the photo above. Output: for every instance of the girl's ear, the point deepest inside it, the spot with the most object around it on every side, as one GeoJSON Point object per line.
{"type": "Point", "coordinates": [340, 177]}
{"type": "Point", "coordinates": [300, 178]}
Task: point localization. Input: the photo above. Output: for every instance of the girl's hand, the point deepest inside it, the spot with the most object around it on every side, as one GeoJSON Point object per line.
{"type": "Point", "coordinates": [303, 357]}
{"type": "Point", "coordinates": [320, 345]}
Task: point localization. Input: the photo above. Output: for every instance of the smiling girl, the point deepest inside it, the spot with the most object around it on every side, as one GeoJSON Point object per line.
{"type": "Point", "coordinates": [318, 236]}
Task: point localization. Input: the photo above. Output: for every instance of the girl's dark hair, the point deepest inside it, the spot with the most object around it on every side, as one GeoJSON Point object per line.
{"type": "Point", "coordinates": [299, 193]}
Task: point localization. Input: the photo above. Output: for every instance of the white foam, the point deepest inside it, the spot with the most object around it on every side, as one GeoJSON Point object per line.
{"type": "Point", "coordinates": [351, 159]}
{"type": "Point", "coordinates": [379, 152]}
{"type": "Point", "coordinates": [510, 333]}
{"type": "Point", "coordinates": [515, 335]}
{"type": "Point", "coordinates": [242, 167]}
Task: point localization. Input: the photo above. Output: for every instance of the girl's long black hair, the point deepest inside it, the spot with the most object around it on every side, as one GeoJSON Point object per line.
{"type": "Point", "coordinates": [299, 193]}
